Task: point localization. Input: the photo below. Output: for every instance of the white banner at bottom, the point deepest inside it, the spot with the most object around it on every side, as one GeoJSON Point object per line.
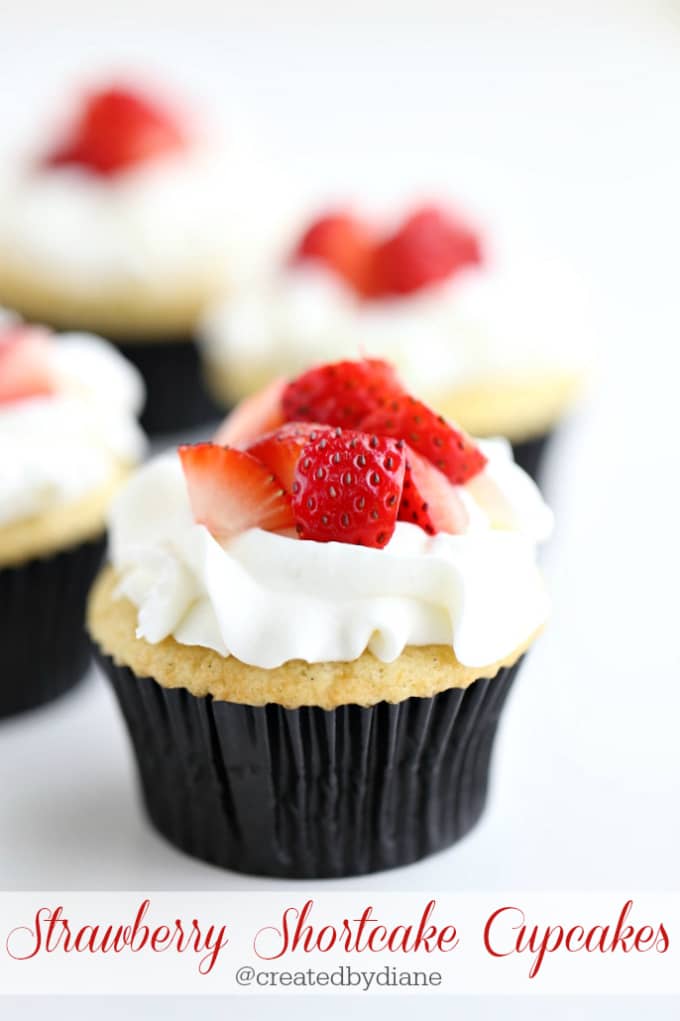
{"type": "Point", "coordinates": [350, 942]}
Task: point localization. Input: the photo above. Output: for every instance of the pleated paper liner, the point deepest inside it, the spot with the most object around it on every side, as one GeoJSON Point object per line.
{"type": "Point", "coordinates": [311, 793]}
{"type": "Point", "coordinates": [531, 454]}
{"type": "Point", "coordinates": [176, 395]}
{"type": "Point", "coordinates": [45, 649]}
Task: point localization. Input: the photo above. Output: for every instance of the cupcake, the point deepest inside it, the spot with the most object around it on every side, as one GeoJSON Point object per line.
{"type": "Point", "coordinates": [486, 337]}
{"type": "Point", "coordinates": [312, 624]}
{"type": "Point", "coordinates": [68, 438]}
{"type": "Point", "coordinates": [125, 224]}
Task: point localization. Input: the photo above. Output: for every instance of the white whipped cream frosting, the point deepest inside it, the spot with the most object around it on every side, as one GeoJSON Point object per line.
{"type": "Point", "coordinates": [487, 321]}
{"type": "Point", "coordinates": [55, 449]}
{"type": "Point", "coordinates": [267, 598]}
{"type": "Point", "coordinates": [170, 222]}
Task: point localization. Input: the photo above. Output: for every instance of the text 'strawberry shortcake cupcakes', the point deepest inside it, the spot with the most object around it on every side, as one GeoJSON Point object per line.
{"type": "Point", "coordinates": [312, 629]}
{"type": "Point", "coordinates": [68, 438]}
{"type": "Point", "coordinates": [125, 224]}
{"type": "Point", "coordinates": [486, 337]}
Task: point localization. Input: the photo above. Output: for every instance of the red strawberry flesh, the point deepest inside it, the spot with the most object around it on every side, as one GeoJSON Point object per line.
{"type": "Point", "coordinates": [342, 243]}
{"type": "Point", "coordinates": [347, 488]}
{"type": "Point", "coordinates": [429, 500]}
{"type": "Point", "coordinates": [342, 393]}
{"type": "Point", "coordinates": [430, 246]}
{"type": "Point", "coordinates": [280, 450]}
{"type": "Point", "coordinates": [258, 414]}
{"type": "Point", "coordinates": [25, 365]}
{"type": "Point", "coordinates": [430, 435]}
{"type": "Point", "coordinates": [231, 491]}
{"type": "Point", "coordinates": [119, 128]}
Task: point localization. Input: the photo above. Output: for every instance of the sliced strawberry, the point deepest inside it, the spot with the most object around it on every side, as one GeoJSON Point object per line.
{"type": "Point", "coordinates": [25, 365]}
{"type": "Point", "coordinates": [430, 435]}
{"type": "Point", "coordinates": [230, 491]}
{"type": "Point", "coordinates": [254, 416]}
{"type": "Point", "coordinates": [118, 128]}
{"type": "Point", "coordinates": [428, 498]}
{"type": "Point", "coordinates": [431, 245]}
{"type": "Point", "coordinates": [347, 488]}
{"type": "Point", "coordinates": [280, 450]}
{"type": "Point", "coordinates": [341, 394]}
{"type": "Point", "coordinates": [344, 244]}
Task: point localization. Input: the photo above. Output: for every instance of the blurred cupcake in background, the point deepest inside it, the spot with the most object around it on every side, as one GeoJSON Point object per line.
{"type": "Point", "coordinates": [125, 222]}
{"type": "Point", "coordinates": [68, 439]}
{"type": "Point", "coordinates": [491, 341]}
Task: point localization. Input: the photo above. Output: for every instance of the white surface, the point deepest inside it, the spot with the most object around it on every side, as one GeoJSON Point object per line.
{"type": "Point", "coordinates": [573, 120]}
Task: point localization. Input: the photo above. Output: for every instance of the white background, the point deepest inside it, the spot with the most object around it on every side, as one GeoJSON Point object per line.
{"type": "Point", "coordinates": [564, 116]}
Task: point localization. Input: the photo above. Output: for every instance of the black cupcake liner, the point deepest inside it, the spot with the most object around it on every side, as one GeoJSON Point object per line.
{"type": "Point", "coordinates": [176, 395]}
{"type": "Point", "coordinates": [311, 793]}
{"type": "Point", "coordinates": [45, 649]}
{"type": "Point", "coordinates": [530, 454]}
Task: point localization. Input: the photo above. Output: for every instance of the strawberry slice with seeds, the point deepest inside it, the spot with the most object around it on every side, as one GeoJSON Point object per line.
{"type": "Point", "coordinates": [347, 488]}
{"type": "Point", "coordinates": [429, 500]}
{"type": "Point", "coordinates": [254, 416]}
{"type": "Point", "coordinates": [342, 243]}
{"type": "Point", "coordinates": [280, 450]}
{"type": "Point", "coordinates": [430, 246]}
{"type": "Point", "coordinates": [118, 128]}
{"type": "Point", "coordinates": [342, 393]}
{"type": "Point", "coordinates": [25, 365]}
{"type": "Point", "coordinates": [230, 491]}
{"type": "Point", "coordinates": [430, 435]}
